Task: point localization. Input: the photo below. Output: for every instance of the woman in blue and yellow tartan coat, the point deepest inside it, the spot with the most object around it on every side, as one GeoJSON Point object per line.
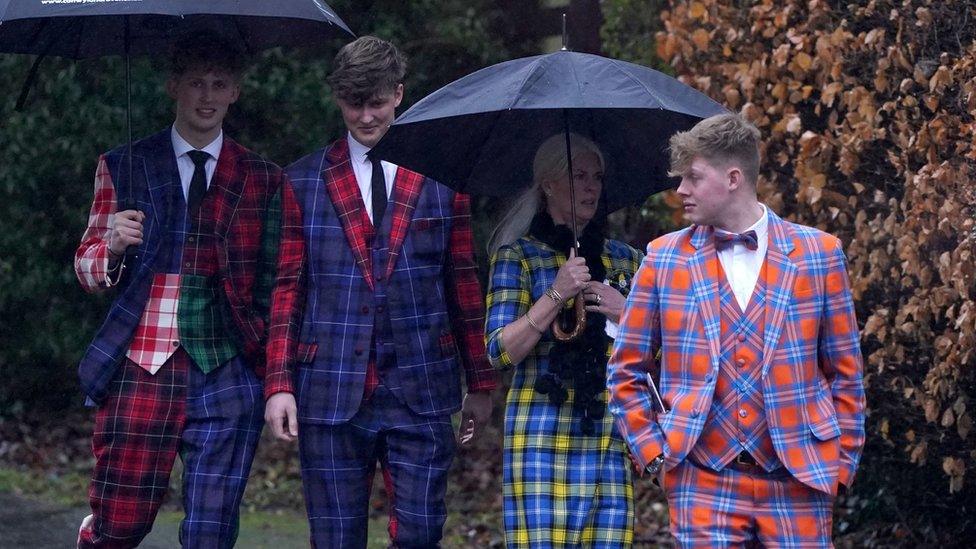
{"type": "Point", "coordinates": [567, 476]}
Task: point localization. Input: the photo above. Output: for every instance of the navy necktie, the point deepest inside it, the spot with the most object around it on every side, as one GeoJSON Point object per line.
{"type": "Point", "coordinates": [727, 240]}
{"type": "Point", "coordinates": [378, 181]}
{"type": "Point", "coordinates": [198, 184]}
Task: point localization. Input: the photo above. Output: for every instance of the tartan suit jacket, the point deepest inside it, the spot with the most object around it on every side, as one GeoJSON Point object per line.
{"type": "Point", "coordinates": [812, 368]}
{"type": "Point", "coordinates": [434, 298]}
{"type": "Point", "coordinates": [260, 254]}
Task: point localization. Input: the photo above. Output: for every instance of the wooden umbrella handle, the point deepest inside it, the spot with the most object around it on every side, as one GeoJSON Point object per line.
{"type": "Point", "coordinates": [579, 308]}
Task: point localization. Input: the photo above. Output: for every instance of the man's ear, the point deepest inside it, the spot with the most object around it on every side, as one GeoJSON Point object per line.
{"type": "Point", "coordinates": [398, 95]}
{"type": "Point", "coordinates": [171, 85]}
{"type": "Point", "coordinates": [736, 178]}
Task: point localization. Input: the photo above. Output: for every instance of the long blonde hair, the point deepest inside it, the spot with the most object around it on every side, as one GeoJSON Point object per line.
{"type": "Point", "coordinates": [549, 164]}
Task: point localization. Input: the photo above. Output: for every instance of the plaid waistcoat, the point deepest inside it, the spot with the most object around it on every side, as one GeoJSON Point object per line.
{"type": "Point", "coordinates": [737, 420]}
{"type": "Point", "coordinates": [342, 286]}
{"type": "Point", "coordinates": [218, 313]}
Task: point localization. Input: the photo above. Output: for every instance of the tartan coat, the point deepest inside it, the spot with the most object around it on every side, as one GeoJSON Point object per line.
{"type": "Point", "coordinates": [433, 295]}
{"type": "Point", "coordinates": [257, 232]}
{"type": "Point", "coordinates": [812, 380]}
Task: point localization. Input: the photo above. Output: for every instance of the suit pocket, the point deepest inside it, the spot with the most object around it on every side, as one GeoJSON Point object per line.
{"type": "Point", "coordinates": [426, 223]}
{"type": "Point", "coordinates": [306, 352]}
{"type": "Point", "coordinates": [448, 345]}
{"type": "Point", "coordinates": [825, 430]}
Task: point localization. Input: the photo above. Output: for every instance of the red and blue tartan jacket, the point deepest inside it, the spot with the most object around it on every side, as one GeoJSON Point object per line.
{"type": "Point", "coordinates": [435, 301]}
{"type": "Point", "coordinates": [812, 371]}
{"type": "Point", "coordinates": [256, 267]}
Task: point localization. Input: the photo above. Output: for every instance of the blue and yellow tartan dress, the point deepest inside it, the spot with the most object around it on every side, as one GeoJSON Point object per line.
{"type": "Point", "coordinates": [562, 488]}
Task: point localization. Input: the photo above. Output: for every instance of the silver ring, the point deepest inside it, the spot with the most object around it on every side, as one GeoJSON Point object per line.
{"type": "Point", "coordinates": [599, 298]}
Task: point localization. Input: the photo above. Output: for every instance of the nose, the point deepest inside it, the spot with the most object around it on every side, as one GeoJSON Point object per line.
{"type": "Point", "coordinates": [682, 189]}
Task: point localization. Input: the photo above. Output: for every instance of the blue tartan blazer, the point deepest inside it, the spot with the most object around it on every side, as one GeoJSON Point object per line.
{"type": "Point", "coordinates": [422, 299]}
{"type": "Point", "coordinates": [251, 183]}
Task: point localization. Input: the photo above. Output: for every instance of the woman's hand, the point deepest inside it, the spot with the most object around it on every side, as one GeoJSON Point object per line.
{"type": "Point", "coordinates": [572, 276]}
{"type": "Point", "coordinates": [604, 299]}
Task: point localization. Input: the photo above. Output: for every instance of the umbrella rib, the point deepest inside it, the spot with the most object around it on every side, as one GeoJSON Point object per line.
{"type": "Point", "coordinates": [649, 90]}
{"type": "Point", "coordinates": [528, 76]}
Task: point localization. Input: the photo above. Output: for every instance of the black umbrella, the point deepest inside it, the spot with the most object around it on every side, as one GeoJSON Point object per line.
{"type": "Point", "coordinates": [478, 134]}
{"type": "Point", "coordinates": [80, 29]}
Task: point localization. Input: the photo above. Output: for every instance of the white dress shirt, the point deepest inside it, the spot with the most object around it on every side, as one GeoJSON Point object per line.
{"type": "Point", "coordinates": [363, 169]}
{"type": "Point", "coordinates": [185, 164]}
{"type": "Point", "coordinates": [742, 265]}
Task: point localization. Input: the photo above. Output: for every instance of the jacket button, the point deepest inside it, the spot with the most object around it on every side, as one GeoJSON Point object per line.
{"type": "Point", "coordinates": [379, 309]}
{"type": "Point", "coordinates": [365, 309]}
{"type": "Point", "coordinates": [358, 352]}
{"type": "Point", "coordinates": [741, 362]}
{"type": "Point", "coordinates": [742, 337]}
{"type": "Point", "coordinates": [708, 378]}
{"type": "Point", "coordinates": [191, 239]}
{"type": "Point", "coordinates": [176, 344]}
{"type": "Point", "coordinates": [694, 413]}
{"type": "Point", "coordinates": [743, 413]}
{"type": "Point", "coordinates": [379, 278]}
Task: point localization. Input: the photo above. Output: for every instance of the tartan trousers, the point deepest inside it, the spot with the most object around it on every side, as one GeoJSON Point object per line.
{"type": "Point", "coordinates": [744, 506]}
{"type": "Point", "coordinates": [212, 420]}
{"type": "Point", "coordinates": [338, 462]}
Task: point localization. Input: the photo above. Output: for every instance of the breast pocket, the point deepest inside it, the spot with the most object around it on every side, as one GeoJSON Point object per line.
{"type": "Point", "coordinates": [428, 239]}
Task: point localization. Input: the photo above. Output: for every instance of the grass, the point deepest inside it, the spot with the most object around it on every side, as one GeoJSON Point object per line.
{"type": "Point", "coordinates": [260, 528]}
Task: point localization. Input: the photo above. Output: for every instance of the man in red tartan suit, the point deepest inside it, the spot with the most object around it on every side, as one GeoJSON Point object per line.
{"type": "Point", "coordinates": [749, 321]}
{"type": "Point", "coordinates": [205, 303]}
{"type": "Point", "coordinates": [394, 311]}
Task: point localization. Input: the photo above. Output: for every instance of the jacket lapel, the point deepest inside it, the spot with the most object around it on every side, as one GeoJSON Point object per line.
{"type": "Point", "coordinates": [780, 277]}
{"type": "Point", "coordinates": [406, 192]}
{"type": "Point", "coordinates": [704, 285]}
{"type": "Point", "coordinates": [228, 185]}
{"type": "Point", "coordinates": [340, 182]}
{"type": "Point", "coordinates": [155, 166]}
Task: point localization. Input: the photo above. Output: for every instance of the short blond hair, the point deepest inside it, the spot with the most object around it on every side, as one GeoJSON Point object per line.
{"type": "Point", "coordinates": [721, 139]}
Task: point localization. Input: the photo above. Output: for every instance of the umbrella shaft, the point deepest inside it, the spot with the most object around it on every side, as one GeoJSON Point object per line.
{"type": "Point", "coordinates": [572, 183]}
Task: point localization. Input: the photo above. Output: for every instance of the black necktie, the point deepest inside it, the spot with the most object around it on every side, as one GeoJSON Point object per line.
{"type": "Point", "coordinates": [198, 184]}
{"type": "Point", "coordinates": [378, 181]}
{"type": "Point", "coordinates": [749, 239]}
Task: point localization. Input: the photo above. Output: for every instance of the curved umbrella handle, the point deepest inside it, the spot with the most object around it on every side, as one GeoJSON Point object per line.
{"type": "Point", "coordinates": [579, 310]}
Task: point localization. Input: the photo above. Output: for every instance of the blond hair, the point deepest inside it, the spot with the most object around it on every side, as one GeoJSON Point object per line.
{"type": "Point", "coordinates": [726, 139]}
{"type": "Point", "coordinates": [549, 164]}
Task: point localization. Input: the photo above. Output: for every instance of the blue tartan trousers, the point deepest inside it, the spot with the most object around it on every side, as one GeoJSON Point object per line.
{"type": "Point", "coordinates": [338, 462]}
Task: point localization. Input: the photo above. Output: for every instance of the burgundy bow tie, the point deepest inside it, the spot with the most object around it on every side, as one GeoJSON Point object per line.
{"type": "Point", "coordinates": [726, 240]}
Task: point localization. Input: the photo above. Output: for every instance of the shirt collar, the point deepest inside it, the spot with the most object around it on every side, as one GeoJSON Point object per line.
{"type": "Point", "coordinates": [357, 151]}
{"type": "Point", "coordinates": [181, 147]}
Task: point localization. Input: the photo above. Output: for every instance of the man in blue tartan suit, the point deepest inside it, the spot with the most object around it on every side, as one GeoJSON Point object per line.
{"type": "Point", "coordinates": [393, 302]}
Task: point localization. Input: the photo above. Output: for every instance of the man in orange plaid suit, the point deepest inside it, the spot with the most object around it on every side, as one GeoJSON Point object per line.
{"type": "Point", "coordinates": [749, 322]}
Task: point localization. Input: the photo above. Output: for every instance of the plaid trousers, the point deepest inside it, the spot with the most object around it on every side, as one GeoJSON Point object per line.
{"type": "Point", "coordinates": [744, 506]}
{"type": "Point", "coordinates": [213, 420]}
{"type": "Point", "coordinates": [338, 462]}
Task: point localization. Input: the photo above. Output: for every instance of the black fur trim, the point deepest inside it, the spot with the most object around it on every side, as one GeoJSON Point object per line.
{"type": "Point", "coordinates": [582, 362]}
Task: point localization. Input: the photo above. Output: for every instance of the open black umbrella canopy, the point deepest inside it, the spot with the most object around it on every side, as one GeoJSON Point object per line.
{"type": "Point", "coordinates": [80, 29]}
{"type": "Point", "coordinates": [479, 134]}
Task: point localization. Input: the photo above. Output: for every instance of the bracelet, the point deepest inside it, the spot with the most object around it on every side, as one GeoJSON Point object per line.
{"type": "Point", "coordinates": [532, 323]}
{"type": "Point", "coordinates": [554, 295]}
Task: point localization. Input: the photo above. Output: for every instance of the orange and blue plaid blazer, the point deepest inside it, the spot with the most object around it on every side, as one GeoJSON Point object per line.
{"type": "Point", "coordinates": [812, 366]}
